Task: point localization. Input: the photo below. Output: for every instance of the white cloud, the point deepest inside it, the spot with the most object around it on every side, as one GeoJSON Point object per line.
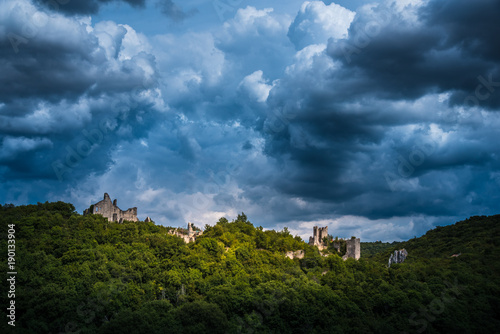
{"type": "Point", "coordinates": [188, 63]}
{"type": "Point", "coordinates": [149, 194]}
{"type": "Point", "coordinates": [316, 22]}
{"type": "Point", "coordinates": [110, 36]}
{"type": "Point", "coordinates": [251, 21]}
{"type": "Point", "coordinates": [133, 43]}
{"type": "Point", "coordinates": [256, 86]}
{"type": "Point", "coordinates": [308, 58]}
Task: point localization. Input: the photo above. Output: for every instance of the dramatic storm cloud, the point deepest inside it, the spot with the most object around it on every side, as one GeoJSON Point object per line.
{"type": "Point", "coordinates": [82, 6]}
{"type": "Point", "coordinates": [379, 119]}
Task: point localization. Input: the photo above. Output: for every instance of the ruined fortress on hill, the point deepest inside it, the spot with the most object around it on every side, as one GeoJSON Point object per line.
{"type": "Point", "coordinates": [320, 234]}
{"type": "Point", "coordinates": [112, 212]}
{"type": "Point", "coordinates": [189, 237]}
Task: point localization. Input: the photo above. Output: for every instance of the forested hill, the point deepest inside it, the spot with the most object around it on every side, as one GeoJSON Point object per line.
{"type": "Point", "coordinates": [475, 238]}
{"type": "Point", "coordinates": [83, 274]}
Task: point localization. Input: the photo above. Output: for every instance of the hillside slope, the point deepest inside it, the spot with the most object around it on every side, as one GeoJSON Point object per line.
{"type": "Point", "coordinates": [87, 275]}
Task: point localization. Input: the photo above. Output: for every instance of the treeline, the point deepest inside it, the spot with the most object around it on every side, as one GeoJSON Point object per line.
{"type": "Point", "coordinates": [83, 274]}
{"type": "Point", "coordinates": [372, 248]}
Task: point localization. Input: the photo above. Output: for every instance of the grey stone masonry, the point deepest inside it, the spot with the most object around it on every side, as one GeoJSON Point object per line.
{"type": "Point", "coordinates": [353, 249]}
{"type": "Point", "coordinates": [189, 237]}
{"type": "Point", "coordinates": [319, 233]}
{"type": "Point", "coordinates": [353, 245]}
{"type": "Point", "coordinates": [110, 210]}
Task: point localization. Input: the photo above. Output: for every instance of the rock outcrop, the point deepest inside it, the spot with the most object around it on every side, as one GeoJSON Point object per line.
{"type": "Point", "coordinates": [398, 257]}
{"type": "Point", "coordinates": [295, 255]}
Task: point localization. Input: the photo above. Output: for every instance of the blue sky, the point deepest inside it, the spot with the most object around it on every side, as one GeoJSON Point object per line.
{"type": "Point", "coordinates": [376, 118]}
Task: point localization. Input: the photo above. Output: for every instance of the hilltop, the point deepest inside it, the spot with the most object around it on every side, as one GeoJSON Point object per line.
{"type": "Point", "coordinates": [87, 274]}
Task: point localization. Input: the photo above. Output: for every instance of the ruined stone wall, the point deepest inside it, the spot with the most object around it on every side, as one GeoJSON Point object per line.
{"type": "Point", "coordinates": [110, 210]}
{"type": "Point", "coordinates": [188, 237]}
{"type": "Point", "coordinates": [353, 245]}
{"type": "Point", "coordinates": [353, 249]}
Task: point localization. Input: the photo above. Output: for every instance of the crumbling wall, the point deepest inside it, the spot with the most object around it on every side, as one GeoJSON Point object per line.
{"type": "Point", "coordinates": [188, 237]}
{"type": "Point", "coordinates": [353, 245]}
{"type": "Point", "coordinates": [110, 210]}
{"type": "Point", "coordinates": [338, 244]}
{"type": "Point", "coordinates": [353, 249]}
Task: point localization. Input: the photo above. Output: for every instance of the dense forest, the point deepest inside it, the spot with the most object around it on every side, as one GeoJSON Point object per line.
{"type": "Point", "coordinates": [370, 249]}
{"type": "Point", "coordinates": [83, 274]}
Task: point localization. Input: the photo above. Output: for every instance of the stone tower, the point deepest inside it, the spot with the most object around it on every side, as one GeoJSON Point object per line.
{"type": "Point", "coordinates": [319, 233]}
{"type": "Point", "coordinates": [353, 245]}
{"type": "Point", "coordinates": [353, 249]}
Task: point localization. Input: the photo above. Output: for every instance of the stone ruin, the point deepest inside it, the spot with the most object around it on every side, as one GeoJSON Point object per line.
{"type": "Point", "coordinates": [319, 233]}
{"type": "Point", "coordinates": [110, 210]}
{"type": "Point", "coordinates": [189, 237]}
{"type": "Point", "coordinates": [398, 257]}
{"type": "Point", "coordinates": [353, 245]}
{"type": "Point", "coordinates": [353, 248]}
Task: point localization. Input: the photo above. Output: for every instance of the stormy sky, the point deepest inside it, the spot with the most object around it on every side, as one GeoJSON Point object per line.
{"type": "Point", "coordinates": [379, 119]}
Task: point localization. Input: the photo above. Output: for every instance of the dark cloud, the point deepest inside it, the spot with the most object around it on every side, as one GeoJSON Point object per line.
{"type": "Point", "coordinates": [173, 11]}
{"type": "Point", "coordinates": [469, 26]}
{"type": "Point", "coordinates": [83, 6]}
{"type": "Point", "coordinates": [389, 130]}
{"type": "Point", "coordinates": [440, 51]}
{"type": "Point", "coordinates": [362, 136]}
{"type": "Point", "coordinates": [69, 94]}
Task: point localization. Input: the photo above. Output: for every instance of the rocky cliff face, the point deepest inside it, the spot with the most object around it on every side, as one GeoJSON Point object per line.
{"type": "Point", "coordinates": [398, 257]}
